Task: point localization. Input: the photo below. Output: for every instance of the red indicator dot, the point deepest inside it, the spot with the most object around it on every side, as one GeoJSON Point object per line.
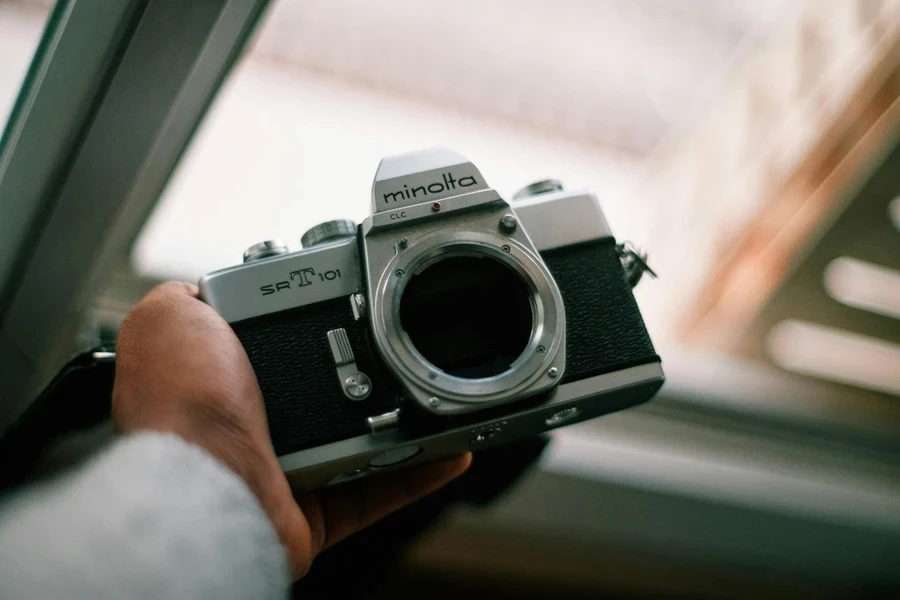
{"type": "Point", "coordinates": [435, 206]}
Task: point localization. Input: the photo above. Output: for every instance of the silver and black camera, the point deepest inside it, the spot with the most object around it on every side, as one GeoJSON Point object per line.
{"type": "Point", "coordinates": [450, 320]}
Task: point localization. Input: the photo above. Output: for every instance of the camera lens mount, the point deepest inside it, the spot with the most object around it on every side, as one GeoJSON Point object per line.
{"type": "Point", "coordinates": [523, 286]}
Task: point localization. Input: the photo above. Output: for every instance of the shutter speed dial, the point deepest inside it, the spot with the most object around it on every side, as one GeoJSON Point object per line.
{"type": "Point", "coordinates": [328, 231]}
{"type": "Point", "coordinates": [264, 250]}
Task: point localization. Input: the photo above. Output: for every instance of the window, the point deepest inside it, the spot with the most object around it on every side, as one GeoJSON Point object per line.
{"type": "Point", "coordinates": [21, 24]}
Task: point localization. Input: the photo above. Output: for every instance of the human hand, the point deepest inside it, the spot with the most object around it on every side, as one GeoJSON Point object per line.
{"type": "Point", "coordinates": [181, 369]}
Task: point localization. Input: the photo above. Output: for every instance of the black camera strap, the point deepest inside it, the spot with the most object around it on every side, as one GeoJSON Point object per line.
{"type": "Point", "coordinates": [77, 399]}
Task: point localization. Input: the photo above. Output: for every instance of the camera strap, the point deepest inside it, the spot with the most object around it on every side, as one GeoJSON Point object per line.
{"type": "Point", "coordinates": [77, 399]}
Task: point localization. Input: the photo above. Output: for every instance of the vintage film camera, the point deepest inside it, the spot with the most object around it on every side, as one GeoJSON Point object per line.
{"type": "Point", "coordinates": [450, 320]}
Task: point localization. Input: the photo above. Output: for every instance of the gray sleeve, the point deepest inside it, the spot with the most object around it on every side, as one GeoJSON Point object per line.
{"type": "Point", "coordinates": [150, 517]}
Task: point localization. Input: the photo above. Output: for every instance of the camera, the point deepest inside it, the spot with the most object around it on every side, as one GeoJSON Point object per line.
{"type": "Point", "coordinates": [449, 320]}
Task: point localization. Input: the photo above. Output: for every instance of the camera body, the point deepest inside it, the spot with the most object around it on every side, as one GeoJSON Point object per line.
{"type": "Point", "coordinates": [450, 320]}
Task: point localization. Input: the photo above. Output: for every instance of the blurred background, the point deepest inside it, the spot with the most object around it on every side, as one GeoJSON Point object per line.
{"type": "Point", "coordinates": [752, 148]}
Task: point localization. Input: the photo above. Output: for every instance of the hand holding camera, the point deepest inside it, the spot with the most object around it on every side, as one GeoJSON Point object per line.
{"type": "Point", "coordinates": [449, 320]}
{"type": "Point", "coordinates": [181, 370]}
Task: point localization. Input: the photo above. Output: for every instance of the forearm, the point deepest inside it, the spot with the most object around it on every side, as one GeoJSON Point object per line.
{"type": "Point", "coordinates": [150, 517]}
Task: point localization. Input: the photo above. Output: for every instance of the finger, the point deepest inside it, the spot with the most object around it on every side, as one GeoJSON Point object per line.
{"type": "Point", "coordinates": [347, 509]}
{"type": "Point", "coordinates": [156, 304]}
{"type": "Point", "coordinates": [176, 288]}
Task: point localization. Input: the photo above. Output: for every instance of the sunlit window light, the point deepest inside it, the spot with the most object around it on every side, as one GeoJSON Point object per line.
{"type": "Point", "coordinates": [864, 285]}
{"type": "Point", "coordinates": [836, 355]}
